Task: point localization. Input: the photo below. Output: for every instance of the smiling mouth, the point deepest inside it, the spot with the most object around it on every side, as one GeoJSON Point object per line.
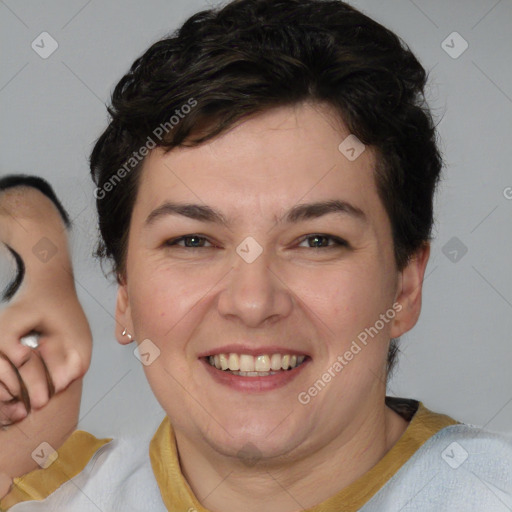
{"type": "Point", "coordinates": [246, 365]}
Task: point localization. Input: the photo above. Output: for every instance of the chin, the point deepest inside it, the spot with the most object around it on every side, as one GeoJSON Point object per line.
{"type": "Point", "coordinates": [267, 438]}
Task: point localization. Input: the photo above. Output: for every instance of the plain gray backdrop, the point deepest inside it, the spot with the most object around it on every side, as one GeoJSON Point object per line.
{"type": "Point", "coordinates": [457, 360]}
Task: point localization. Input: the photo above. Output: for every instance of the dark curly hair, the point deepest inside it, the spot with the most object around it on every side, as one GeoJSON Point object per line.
{"type": "Point", "coordinates": [253, 55]}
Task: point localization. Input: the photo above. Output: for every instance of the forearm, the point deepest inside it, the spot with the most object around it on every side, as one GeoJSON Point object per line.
{"type": "Point", "coordinates": [51, 424]}
{"type": "Point", "coordinates": [46, 301]}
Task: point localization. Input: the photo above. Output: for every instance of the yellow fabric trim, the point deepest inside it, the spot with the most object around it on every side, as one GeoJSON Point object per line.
{"type": "Point", "coordinates": [177, 494]}
{"type": "Point", "coordinates": [73, 456]}
{"type": "Point", "coordinates": [422, 427]}
{"type": "Point", "coordinates": [174, 489]}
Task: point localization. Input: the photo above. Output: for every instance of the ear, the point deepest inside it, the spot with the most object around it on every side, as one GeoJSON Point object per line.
{"type": "Point", "coordinates": [410, 285]}
{"type": "Point", "coordinates": [123, 316]}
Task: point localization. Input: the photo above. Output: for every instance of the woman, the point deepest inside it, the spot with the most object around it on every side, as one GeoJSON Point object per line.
{"type": "Point", "coordinates": [264, 191]}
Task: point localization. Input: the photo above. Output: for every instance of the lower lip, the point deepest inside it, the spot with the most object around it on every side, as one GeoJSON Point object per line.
{"type": "Point", "coordinates": [254, 384]}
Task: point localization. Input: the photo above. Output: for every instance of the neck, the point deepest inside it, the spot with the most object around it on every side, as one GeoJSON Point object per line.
{"type": "Point", "coordinates": [226, 484]}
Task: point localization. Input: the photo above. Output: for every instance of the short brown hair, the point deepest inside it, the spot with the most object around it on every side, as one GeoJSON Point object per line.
{"type": "Point", "coordinates": [252, 55]}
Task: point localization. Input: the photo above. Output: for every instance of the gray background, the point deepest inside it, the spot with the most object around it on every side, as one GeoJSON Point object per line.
{"type": "Point", "coordinates": [458, 358]}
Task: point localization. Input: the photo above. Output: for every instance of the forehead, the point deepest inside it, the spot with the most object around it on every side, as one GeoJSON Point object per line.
{"type": "Point", "coordinates": [265, 164]}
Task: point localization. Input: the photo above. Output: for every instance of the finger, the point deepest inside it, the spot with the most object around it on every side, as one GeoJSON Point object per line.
{"type": "Point", "coordinates": [12, 412]}
{"type": "Point", "coordinates": [35, 377]}
{"type": "Point", "coordinates": [17, 391]}
{"type": "Point", "coordinates": [65, 364]}
{"type": "Point", "coordinates": [9, 384]}
{"type": "Point", "coordinates": [12, 409]}
{"type": "Point", "coordinates": [49, 380]}
{"type": "Point", "coordinates": [15, 324]}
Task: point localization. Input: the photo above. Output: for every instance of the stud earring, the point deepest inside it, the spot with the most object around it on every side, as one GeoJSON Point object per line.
{"type": "Point", "coordinates": [125, 333]}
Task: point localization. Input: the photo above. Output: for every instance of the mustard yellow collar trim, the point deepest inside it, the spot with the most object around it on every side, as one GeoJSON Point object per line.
{"type": "Point", "coordinates": [177, 494]}
{"type": "Point", "coordinates": [73, 456]}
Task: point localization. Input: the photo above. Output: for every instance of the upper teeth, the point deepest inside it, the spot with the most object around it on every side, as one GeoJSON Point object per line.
{"type": "Point", "coordinates": [261, 363]}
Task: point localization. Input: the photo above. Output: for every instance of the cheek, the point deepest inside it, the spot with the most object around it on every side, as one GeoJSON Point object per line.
{"type": "Point", "coordinates": [147, 307]}
{"type": "Point", "coordinates": [163, 302]}
{"type": "Point", "coordinates": [346, 300]}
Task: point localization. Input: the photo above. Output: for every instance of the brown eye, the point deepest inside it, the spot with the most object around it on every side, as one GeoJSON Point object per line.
{"type": "Point", "coordinates": [322, 241]}
{"type": "Point", "coordinates": [190, 242]}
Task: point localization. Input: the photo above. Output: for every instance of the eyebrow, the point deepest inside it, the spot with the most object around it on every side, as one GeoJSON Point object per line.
{"type": "Point", "coordinates": [300, 212]}
{"type": "Point", "coordinates": [14, 285]}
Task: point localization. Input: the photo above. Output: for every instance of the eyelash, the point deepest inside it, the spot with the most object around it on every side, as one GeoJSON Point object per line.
{"type": "Point", "coordinates": [338, 242]}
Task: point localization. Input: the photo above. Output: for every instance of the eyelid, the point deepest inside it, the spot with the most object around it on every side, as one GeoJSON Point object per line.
{"type": "Point", "coordinates": [338, 242]}
{"type": "Point", "coordinates": [172, 242]}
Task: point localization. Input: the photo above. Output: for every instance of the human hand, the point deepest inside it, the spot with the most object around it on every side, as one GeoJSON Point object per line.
{"type": "Point", "coordinates": [41, 299]}
{"type": "Point", "coordinates": [29, 377]}
{"type": "Point", "coordinates": [37, 296]}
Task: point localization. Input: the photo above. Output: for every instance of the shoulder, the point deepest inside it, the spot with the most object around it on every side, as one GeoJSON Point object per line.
{"type": "Point", "coordinates": [476, 452]}
{"type": "Point", "coordinates": [118, 476]}
{"type": "Point", "coordinates": [460, 468]}
{"type": "Point", "coordinates": [481, 444]}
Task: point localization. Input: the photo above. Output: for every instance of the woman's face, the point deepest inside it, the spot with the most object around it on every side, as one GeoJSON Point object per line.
{"type": "Point", "coordinates": [272, 286]}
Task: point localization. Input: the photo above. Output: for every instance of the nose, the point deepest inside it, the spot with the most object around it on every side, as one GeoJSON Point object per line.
{"type": "Point", "coordinates": [255, 293]}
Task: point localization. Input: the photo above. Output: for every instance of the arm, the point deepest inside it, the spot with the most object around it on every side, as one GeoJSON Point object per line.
{"type": "Point", "coordinates": [45, 301]}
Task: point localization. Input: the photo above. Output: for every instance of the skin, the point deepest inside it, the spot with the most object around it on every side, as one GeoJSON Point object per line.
{"type": "Point", "coordinates": [46, 302]}
{"type": "Point", "coordinates": [311, 300]}
{"type": "Point", "coordinates": [51, 424]}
